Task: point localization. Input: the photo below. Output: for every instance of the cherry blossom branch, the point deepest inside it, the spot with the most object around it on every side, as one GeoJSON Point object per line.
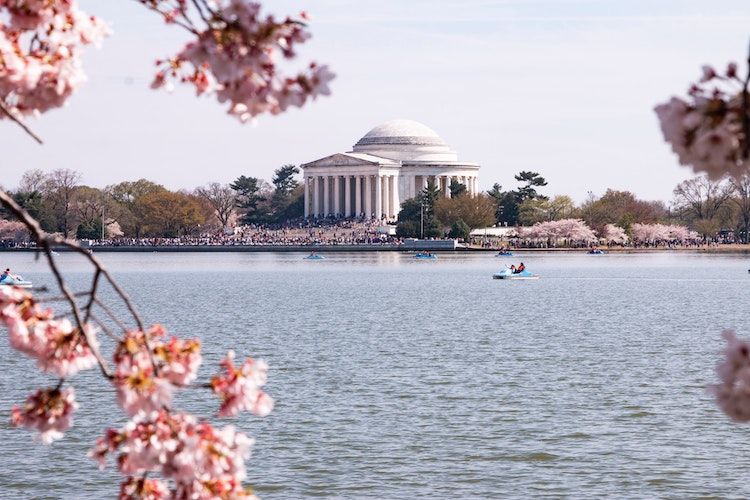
{"type": "Point", "coordinates": [92, 296]}
{"type": "Point", "coordinates": [200, 11]}
{"type": "Point", "coordinates": [46, 241]}
{"type": "Point", "coordinates": [745, 110]}
{"type": "Point", "coordinates": [7, 112]}
{"type": "Point", "coordinates": [168, 17]}
{"type": "Point", "coordinates": [111, 315]}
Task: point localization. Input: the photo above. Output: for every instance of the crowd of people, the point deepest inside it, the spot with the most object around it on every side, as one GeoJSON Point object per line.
{"type": "Point", "coordinates": [300, 235]}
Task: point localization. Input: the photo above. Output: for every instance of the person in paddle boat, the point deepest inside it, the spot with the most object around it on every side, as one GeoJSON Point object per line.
{"type": "Point", "coordinates": [5, 274]}
{"type": "Point", "coordinates": [519, 269]}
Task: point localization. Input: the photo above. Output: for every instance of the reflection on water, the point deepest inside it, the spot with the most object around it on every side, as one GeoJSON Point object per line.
{"type": "Point", "coordinates": [398, 378]}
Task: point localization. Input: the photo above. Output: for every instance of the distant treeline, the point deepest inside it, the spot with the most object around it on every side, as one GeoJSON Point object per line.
{"type": "Point", "coordinates": [142, 208]}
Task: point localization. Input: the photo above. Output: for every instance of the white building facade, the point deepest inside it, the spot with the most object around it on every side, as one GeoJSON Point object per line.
{"type": "Point", "coordinates": [391, 163]}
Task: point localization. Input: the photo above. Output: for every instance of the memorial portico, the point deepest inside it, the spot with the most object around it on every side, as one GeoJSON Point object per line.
{"type": "Point", "coordinates": [391, 163]}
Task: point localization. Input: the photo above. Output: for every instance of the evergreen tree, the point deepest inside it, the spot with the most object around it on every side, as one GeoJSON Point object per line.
{"type": "Point", "coordinates": [284, 185]}
{"type": "Point", "coordinates": [460, 230]}
{"type": "Point", "coordinates": [457, 188]}
{"type": "Point", "coordinates": [247, 189]}
{"type": "Point", "coordinates": [531, 180]}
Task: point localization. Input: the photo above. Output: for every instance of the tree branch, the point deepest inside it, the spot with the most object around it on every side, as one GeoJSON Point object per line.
{"type": "Point", "coordinates": [7, 112]}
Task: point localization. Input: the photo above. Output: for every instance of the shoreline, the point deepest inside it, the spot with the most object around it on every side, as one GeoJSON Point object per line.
{"type": "Point", "coordinates": [720, 249]}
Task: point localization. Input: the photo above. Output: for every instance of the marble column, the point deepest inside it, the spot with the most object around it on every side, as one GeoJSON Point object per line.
{"type": "Point", "coordinates": [307, 197]}
{"type": "Point", "coordinates": [387, 196]}
{"type": "Point", "coordinates": [412, 187]}
{"type": "Point", "coordinates": [378, 197]}
{"type": "Point", "coordinates": [447, 184]}
{"type": "Point", "coordinates": [368, 197]}
{"type": "Point", "coordinates": [326, 195]}
{"type": "Point", "coordinates": [347, 196]}
{"type": "Point", "coordinates": [395, 198]}
{"type": "Point", "coordinates": [425, 181]}
{"type": "Point", "coordinates": [357, 195]}
{"type": "Point", "coordinates": [336, 195]}
{"type": "Point", "coordinates": [316, 196]}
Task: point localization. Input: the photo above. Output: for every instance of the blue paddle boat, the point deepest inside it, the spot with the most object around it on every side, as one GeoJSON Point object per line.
{"type": "Point", "coordinates": [507, 274]}
{"type": "Point", "coordinates": [15, 281]}
{"type": "Point", "coordinates": [596, 251]}
{"type": "Point", "coordinates": [425, 256]}
{"type": "Point", "coordinates": [314, 256]}
{"type": "Point", "coordinates": [504, 253]}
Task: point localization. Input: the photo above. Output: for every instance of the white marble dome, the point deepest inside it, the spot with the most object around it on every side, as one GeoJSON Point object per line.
{"type": "Point", "coordinates": [405, 140]}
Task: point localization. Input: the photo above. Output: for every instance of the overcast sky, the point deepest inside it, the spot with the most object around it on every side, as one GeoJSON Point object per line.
{"type": "Point", "coordinates": [562, 87]}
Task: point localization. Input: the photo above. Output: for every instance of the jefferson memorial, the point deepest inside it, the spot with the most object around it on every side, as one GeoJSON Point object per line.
{"type": "Point", "coordinates": [391, 163]}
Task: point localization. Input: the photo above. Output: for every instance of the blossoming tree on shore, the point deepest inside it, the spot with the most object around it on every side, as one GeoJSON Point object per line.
{"type": "Point", "coordinates": [161, 452]}
{"type": "Point", "coordinates": [710, 132]}
{"type": "Point", "coordinates": [612, 234]}
{"type": "Point", "coordinates": [663, 233]}
{"type": "Point", "coordinates": [569, 230]}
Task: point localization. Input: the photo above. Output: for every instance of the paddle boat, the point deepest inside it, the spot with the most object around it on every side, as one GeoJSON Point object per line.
{"type": "Point", "coordinates": [314, 256]}
{"type": "Point", "coordinates": [425, 256]}
{"type": "Point", "coordinates": [507, 274]}
{"type": "Point", "coordinates": [15, 281]}
{"type": "Point", "coordinates": [596, 251]}
{"type": "Point", "coordinates": [504, 253]}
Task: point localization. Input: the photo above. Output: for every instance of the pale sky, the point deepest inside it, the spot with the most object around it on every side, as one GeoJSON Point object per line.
{"type": "Point", "coordinates": [562, 87]}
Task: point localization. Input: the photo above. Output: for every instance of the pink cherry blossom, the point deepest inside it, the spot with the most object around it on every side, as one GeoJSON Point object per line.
{"type": "Point", "coordinates": [13, 230]}
{"type": "Point", "coordinates": [706, 131]}
{"type": "Point", "coordinates": [57, 345]}
{"type": "Point", "coordinates": [40, 65]}
{"type": "Point", "coordinates": [143, 489]}
{"type": "Point", "coordinates": [708, 74]}
{"type": "Point", "coordinates": [235, 57]}
{"type": "Point", "coordinates": [138, 386]}
{"type": "Point", "coordinates": [573, 230]}
{"type": "Point", "coordinates": [733, 392]}
{"type": "Point", "coordinates": [655, 233]}
{"type": "Point", "coordinates": [239, 387]}
{"type": "Point", "coordinates": [614, 234]}
{"type": "Point", "coordinates": [180, 359]}
{"type": "Point", "coordinates": [203, 462]}
{"type": "Point", "coordinates": [146, 381]}
{"type": "Point", "coordinates": [62, 349]}
{"type": "Point", "coordinates": [48, 411]}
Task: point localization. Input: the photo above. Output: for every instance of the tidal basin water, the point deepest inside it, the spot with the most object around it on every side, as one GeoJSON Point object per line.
{"type": "Point", "coordinates": [397, 378]}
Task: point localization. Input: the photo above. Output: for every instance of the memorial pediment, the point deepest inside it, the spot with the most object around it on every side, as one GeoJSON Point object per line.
{"type": "Point", "coordinates": [345, 160]}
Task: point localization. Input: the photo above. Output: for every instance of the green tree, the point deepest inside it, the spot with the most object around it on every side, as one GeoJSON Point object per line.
{"type": "Point", "coordinates": [89, 230]}
{"type": "Point", "coordinates": [284, 185]}
{"type": "Point", "coordinates": [457, 188]}
{"type": "Point", "coordinates": [420, 213]}
{"type": "Point", "coordinates": [284, 181]}
{"type": "Point", "coordinates": [460, 230]}
{"type": "Point", "coordinates": [506, 205]}
{"type": "Point", "coordinates": [31, 201]}
{"type": "Point", "coordinates": [168, 214]}
{"type": "Point", "coordinates": [410, 210]}
{"type": "Point", "coordinates": [248, 191]}
{"type": "Point", "coordinates": [129, 196]}
{"type": "Point", "coordinates": [407, 229]}
{"type": "Point", "coordinates": [531, 181]}
{"type": "Point", "coordinates": [295, 206]}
